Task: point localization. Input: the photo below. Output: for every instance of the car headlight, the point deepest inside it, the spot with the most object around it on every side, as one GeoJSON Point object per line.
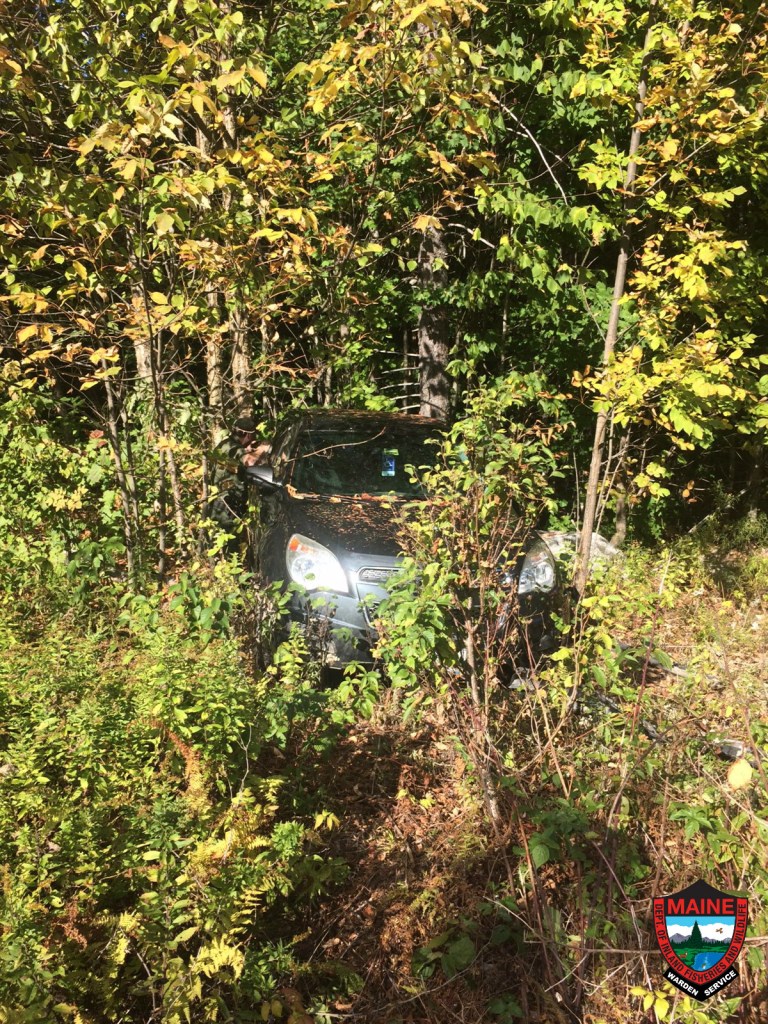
{"type": "Point", "coordinates": [313, 566]}
{"type": "Point", "coordinates": [539, 572]}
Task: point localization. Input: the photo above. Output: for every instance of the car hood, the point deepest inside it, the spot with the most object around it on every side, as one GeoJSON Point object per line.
{"type": "Point", "coordinates": [362, 525]}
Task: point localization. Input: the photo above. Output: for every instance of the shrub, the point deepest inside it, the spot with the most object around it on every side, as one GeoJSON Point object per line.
{"type": "Point", "coordinates": [148, 827]}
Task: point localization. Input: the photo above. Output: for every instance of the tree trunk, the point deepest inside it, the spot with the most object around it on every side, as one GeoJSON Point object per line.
{"type": "Point", "coordinates": [214, 363]}
{"type": "Point", "coordinates": [162, 422]}
{"type": "Point", "coordinates": [241, 363]}
{"type": "Point", "coordinates": [433, 328]}
{"type": "Point", "coordinates": [130, 520]}
{"type": "Point", "coordinates": [142, 346]}
{"type": "Point", "coordinates": [242, 389]}
{"type": "Point", "coordinates": [214, 375]}
{"type": "Point", "coordinates": [620, 532]}
{"type": "Point", "coordinates": [161, 514]}
{"type": "Point", "coordinates": [619, 281]}
{"type": "Point", "coordinates": [130, 475]}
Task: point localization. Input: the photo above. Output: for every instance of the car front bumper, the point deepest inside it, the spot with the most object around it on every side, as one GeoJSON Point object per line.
{"type": "Point", "coordinates": [335, 624]}
{"type": "Point", "coordinates": [340, 626]}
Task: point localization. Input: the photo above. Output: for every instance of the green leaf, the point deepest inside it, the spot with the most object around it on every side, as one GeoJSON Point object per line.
{"type": "Point", "coordinates": [539, 854]}
{"type": "Point", "coordinates": [163, 223]}
{"type": "Point", "coordinates": [458, 956]}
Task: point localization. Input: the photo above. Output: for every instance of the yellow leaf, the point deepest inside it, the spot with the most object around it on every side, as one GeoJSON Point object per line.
{"type": "Point", "coordinates": [129, 169]}
{"type": "Point", "coordinates": [80, 270]}
{"type": "Point", "coordinates": [259, 77]}
{"type": "Point", "coordinates": [108, 354]}
{"type": "Point", "coordinates": [669, 149]}
{"type": "Point", "coordinates": [158, 298]}
{"type": "Point", "coordinates": [661, 1008]}
{"type": "Point", "coordinates": [163, 223]}
{"type": "Point", "coordinates": [167, 42]}
{"type": "Point", "coordinates": [230, 78]}
{"type": "Point", "coordinates": [26, 333]}
{"type": "Point", "coordinates": [198, 103]}
{"type": "Point", "coordinates": [295, 214]}
{"type": "Point", "coordinates": [740, 774]}
{"type": "Point", "coordinates": [39, 253]}
{"type": "Point", "coordinates": [414, 14]}
{"type": "Point", "coordinates": [423, 222]}
{"type": "Point", "coordinates": [443, 163]}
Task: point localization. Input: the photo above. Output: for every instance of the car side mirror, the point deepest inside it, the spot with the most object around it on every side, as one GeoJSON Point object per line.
{"type": "Point", "coordinates": [261, 477]}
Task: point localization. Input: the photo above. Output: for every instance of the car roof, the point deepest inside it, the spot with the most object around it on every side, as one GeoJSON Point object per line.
{"type": "Point", "coordinates": [340, 418]}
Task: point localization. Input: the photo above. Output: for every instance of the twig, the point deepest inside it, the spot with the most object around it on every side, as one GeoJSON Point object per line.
{"type": "Point", "coordinates": [539, 150]}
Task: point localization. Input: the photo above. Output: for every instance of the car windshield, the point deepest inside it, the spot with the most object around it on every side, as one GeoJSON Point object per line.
{"type": "Point", "coordinates": [363, 460]}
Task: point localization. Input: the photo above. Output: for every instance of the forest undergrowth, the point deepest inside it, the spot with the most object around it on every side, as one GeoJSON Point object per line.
{"type": "Point", "coordinates": [188, 835]}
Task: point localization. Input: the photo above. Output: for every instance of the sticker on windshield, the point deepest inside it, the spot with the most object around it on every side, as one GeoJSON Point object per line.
{"type": "Point", "coordinates": [388, 462]}
{"type": "Point", "coordinates": [700, 931]}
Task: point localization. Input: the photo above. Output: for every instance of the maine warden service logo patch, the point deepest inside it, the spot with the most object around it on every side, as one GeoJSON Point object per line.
{"type": "Point", "coordinates": [700, 931]}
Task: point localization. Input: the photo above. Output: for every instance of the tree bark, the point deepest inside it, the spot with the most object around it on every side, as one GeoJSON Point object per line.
{"type": "Point", "coordinates": [166, 459]}
{"type": "Point", "coordinates": [125, 481]}
{"type": "Point", "coordinates": [242, 389]}
{"type": "Point", "coordinates": [142, 346]}
{"type": "Point", "coordinates": [214, 363]}
{"type": "Point", "coordinates": [130, 475]}
{"type": "Point", "coordinates": [161, 513]}
{"type": "Point", "coordinates": [239, 334]}
{"type": "Point", "coordinates": [241, 362]}
{"type": "Point", "coordinates": [214, 374]}
{"type": "Point", "coordinates": [433, 328]}
{"type": "Point", "coordinates": [619, 282]}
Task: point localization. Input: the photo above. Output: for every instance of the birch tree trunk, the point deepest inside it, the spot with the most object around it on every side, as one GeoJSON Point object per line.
{"type": "Point", "coordinates": [142, 344]}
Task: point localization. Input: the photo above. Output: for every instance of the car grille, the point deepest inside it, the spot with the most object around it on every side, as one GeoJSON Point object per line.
{"type": "Point", "coordinates": [371, 584]}
{"type": "Point", "coordinates": [377, 575]}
